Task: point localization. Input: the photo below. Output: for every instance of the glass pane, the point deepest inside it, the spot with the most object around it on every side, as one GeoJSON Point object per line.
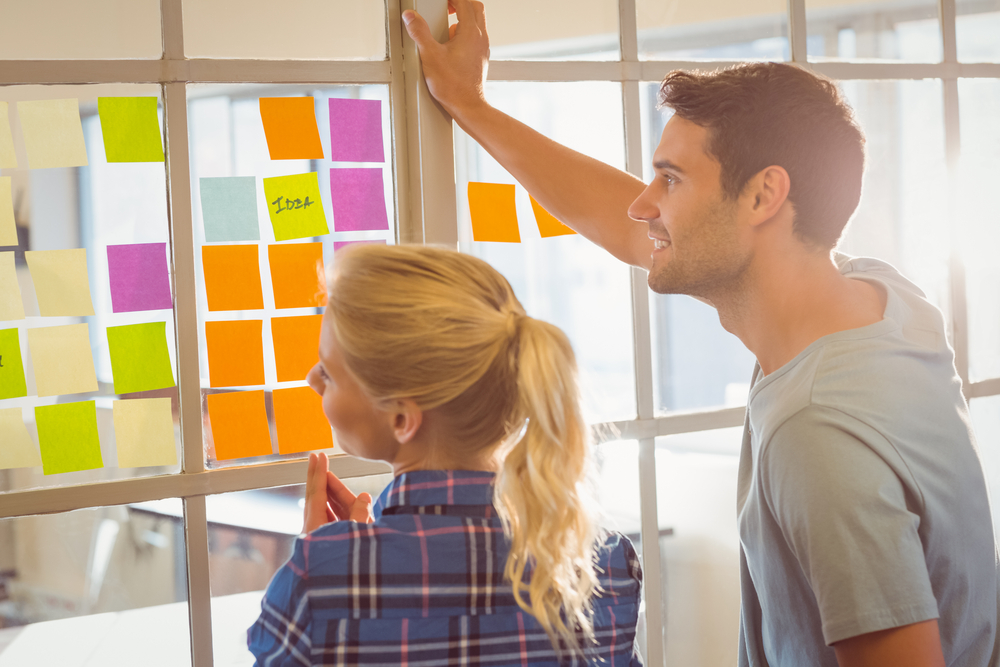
{"type": "Point", "coordinates": [99, 240]}
{"type": "Point", "coordinates": [846, 30]}
{"type": "Point", "coordinates": [677, 30]}
{"type": "Point", "coordinates": [250, 535]}
{"type": "Point", "coordinates": [980, 218]}
{"type": "Point", "coordinates": [311, 29]}
{"type": "Point", "coordinates": [699, 545]}
{"type": "Point", "coordinates": [553, 30]}
{"type": "Point", "coordinates": [565, 280]}
{"type": "Point", "coordinates": [977, 26]}
{"type": "Point", "coordinates": [93, 29]}
{"type": "Point", "coordinates": [98, 586]}
{"type": "Point", "coordinates": [230, 177]}
{"type": "Point", "coordinates": [986, 422]}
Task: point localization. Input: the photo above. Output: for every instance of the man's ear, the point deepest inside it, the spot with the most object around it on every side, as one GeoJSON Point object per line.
{"type": "Point", "coordinates": [407, 417]}
{"type": "Point", "coordinates": [766, 193]}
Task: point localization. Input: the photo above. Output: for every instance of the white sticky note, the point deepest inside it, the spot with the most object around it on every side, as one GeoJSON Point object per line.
{"type": "Point", "coordinates": [8, 229]}
{"type": "Point", "coordinates": [61, 282]}
{"type": "Point", "coordinates": [17, 450]}
{"type": "Point", "coordinates": [63, 361]}
{"type": "Point", "coordinates": [8, 159]}
{"type": "Point", "coordinates": [11, 305]}
{"type": "Point", "coordinates": [144, 433]}
{"type": "Point", "coordinates": [53, 133]}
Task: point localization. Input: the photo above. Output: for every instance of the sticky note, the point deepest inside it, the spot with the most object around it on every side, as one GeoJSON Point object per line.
{"type": "Point", "coordinates": [62, 359]}
{"type": "Point", "coordinates": [144, 433]}
{"type": "Point", "coordinates": [53, 134]}
{"type": "Point", "coordinates": [8, 228]}
{"type": "Point", "coordinates": [239, 424]}
{"type": "Point", "coordinates": [232, 277]}
{"type": "Point", "coordinates": [337, 245]}
{"type": "Point", "coordinates": [61, 282]}
{"type": "Point", "coordinates": [12, 383]}
{"type": "Point", "coordinates": [235, 353]}
{"type": "Point", "coordinates": [494, 217]}
{"type": "Point", "coordinates": [131, 129]}
{"type": "Point", "coordinates": [139, 277]}
{"type": "Point", "coordinates": [299, 420]}
{"type": "Point", "coordinates": [548, 225]}
{"type": "Point", "coordinates": [297, 275]}
{"type": "Point", "coordinates": [290, 128]}
{"type": "Point", "coordinates": [358, 198]}
{"type": "Point", "coordinates": [356, 130]}
{"type": "Point", "coordinates": [140, 360]}
{"type": "Point", "coordinates": [229, 208]}
{"type": "Point", "coordinates": [8, 159]}
{"type": "Point", "coordinates": [16, 447]}
{"type": "Point", "coordinates": [11, 306]}
{"type": "Point", "coordinates": [295, 207]}
{"type": "Point", "coordinates": [67, 437]}
{"type": "Point", "coordinates": [296, 345]}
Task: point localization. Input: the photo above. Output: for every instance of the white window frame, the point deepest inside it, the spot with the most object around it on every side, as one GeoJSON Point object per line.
{"type": "Point", "coordinates": [427, 213]}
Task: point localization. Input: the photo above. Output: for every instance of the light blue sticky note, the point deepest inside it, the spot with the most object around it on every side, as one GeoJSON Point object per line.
{"type": "Point", "coordinates": [229, 208]}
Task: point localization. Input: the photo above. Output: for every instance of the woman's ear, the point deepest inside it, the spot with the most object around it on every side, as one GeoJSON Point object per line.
{"type": "Point", "coordinates": [407, 417]}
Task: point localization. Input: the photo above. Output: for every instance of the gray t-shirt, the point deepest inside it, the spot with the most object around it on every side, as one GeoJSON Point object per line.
{"type": "Point", "coordinates": [862, 502]}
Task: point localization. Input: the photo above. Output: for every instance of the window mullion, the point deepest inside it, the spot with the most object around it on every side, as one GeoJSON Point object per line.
{"type": "Point", "coordinates": [398, 118]}
{"type": "Point", "coordinates": [199, 583]}
{"type": "Point", "coordinates": [797, 31]}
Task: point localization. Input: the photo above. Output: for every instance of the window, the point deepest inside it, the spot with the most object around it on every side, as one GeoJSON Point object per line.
{"type": "Point", "coordinates": [169, 546]}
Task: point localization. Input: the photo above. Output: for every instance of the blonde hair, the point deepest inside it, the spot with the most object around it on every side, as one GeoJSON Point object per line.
{"type": "Point", "coordinates": [445, 330]}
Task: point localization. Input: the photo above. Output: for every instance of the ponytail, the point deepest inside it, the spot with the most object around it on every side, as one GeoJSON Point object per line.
{"type": "Point", "coordinates": [540, 491]}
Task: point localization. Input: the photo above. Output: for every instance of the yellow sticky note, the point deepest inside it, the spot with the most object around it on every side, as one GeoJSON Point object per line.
{"type": "Point", "coordinates": [62, 359]}
{"type": "Point", "coordinates": [548, 224]}
{"type": "Point", "coordinates": [11, 306]}
{"type": "Point", "coordinates": [8, 159]}
{"type": "Point", "coordinates": [494, 216]}
{"type": "Point", "coordinates": [16, 447]}
{"type": "Point", "coordinates": [144, 433]}
{"type": "Point", "coordinates": [61, 282]}
{"type": "Point", "coordinates": [8, 230]}
{"type": "Point", "coordinates": [53, 134]}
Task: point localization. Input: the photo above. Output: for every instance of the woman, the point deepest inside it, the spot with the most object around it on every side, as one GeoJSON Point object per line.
{"type": "Point", "coordinates": [485, 548]}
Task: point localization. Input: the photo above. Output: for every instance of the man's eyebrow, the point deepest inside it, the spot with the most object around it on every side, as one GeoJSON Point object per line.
{"type": "Point", "coordinates": [667, 164]}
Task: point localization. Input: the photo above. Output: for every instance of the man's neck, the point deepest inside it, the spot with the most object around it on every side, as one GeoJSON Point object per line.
{"type": "Point", "coordinates": [787, 303]}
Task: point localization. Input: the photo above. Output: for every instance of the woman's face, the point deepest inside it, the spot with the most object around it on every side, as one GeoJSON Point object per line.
{"type": "Point", "coordinates": [363, 429]}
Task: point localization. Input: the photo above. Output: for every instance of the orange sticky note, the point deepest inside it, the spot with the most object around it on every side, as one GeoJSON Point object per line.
{"type": "Point", "coordinates": [547, 224]}
{"type": "Point", "coordinates": [494, 217]}
{"type": "Point", "coordinates": [290, 128]}
{"type": "Point", "coordinates": [296, 345]}
{"type": "Point", "coordinates": [297, 275]}
{"type": "Point", "coordinates": [232, 277]}
{"type": "Point", "coordinates": [299, 420]}
{"type": "Point", "coordinates": [239, 425]}
{"type": "Point", "coordinates": [235, 353]}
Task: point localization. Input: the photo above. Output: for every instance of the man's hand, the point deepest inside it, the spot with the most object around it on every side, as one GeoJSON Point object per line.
{"type": "Point", "coordinates": [454, 71]}
{"type": "Point", "coordinates": [328, 500]}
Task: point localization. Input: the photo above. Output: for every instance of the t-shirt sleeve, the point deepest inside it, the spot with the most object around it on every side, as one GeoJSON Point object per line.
{"type": "Point", "coordinates": [850, 521]}
{"type": "Point", "coordinates": [281, 635]}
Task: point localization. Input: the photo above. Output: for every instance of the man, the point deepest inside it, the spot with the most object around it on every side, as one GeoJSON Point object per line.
{"type": "Point", "coordinates": [863, 514]}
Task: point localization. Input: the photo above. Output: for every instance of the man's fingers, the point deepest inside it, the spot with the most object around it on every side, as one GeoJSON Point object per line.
{"type": "Point", "coordinates": [464, 11]}
{"type": "Point", "coordinates": [479, 10]}
{"type": "Point", "coordinates": [419, 31]}
{"type": "Point", "coordinates": [361, 511]}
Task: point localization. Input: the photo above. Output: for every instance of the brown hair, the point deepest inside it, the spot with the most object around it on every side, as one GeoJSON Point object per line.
{"type": "Point", "coordinates": [445, 330]}
{"type": "Point", "coordinates": [763, 114]}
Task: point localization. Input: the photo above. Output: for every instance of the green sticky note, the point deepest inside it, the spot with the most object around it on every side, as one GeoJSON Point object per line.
{"type": "Point", "coordinates": [229, 208]}
{"type": "Point", "coordinates": [139, 357]}
{"type": "Point", "coordinates": [295, 207]}
{"type": "Point", "coordinates": [11, 368]}
{"type": "Point", "coordinates": [67, 437]}
{"type": "Point", "coordinates": [131, 129]}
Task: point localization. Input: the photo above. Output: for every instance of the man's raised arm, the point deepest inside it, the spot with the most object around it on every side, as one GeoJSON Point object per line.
{"type": "Point", "coordinates": [586, 194]}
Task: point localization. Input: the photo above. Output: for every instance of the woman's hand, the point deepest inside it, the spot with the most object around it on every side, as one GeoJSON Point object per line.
{"type": "Point", "coordinates": [328, 500]}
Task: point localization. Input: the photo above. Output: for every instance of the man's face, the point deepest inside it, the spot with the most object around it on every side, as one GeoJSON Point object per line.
{"type": "Point", "coordinates": [698, 245]}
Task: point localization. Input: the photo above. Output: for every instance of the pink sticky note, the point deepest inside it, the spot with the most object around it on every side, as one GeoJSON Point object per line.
{"type": "Point", "coordinates": [358, 200]}
{"type": "Point", "coordinates": [356, 131]}
{"type": "Point", "coordinates": [337, 245]}
{"type": "Point", "coordinates": [139, 277]}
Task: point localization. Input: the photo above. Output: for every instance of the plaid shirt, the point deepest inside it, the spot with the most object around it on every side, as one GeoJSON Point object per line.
{"type": "Point", "coordinates": [424, 585]}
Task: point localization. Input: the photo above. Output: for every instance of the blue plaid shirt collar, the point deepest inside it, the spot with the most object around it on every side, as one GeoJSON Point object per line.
{"type": "Point", "coordinates": [436, 488]}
